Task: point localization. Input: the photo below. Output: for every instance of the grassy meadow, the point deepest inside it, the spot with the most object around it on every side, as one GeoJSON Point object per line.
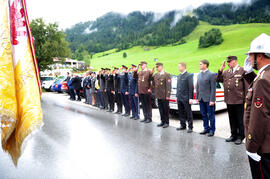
{"type": "Point", "coordinates": [236, 42]}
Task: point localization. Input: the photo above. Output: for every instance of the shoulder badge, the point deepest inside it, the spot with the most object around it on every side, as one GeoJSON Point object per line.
{"type": "Point", "coordinates": [258, 102]}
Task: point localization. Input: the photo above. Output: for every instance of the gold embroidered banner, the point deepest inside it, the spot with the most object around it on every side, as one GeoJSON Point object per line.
{"type": "Point", "coordinates": [26, 76]}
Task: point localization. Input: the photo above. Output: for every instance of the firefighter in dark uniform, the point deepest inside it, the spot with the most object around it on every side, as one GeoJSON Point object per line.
{"type": "Point", "coordinates": [257, 108]}
{"type": "Point", "coordinates": [124, 90]}
{"type": "Point", "coordinates": [101, 80]}
{"type": "Point", "coordinates": [109, 89]}
{"type": "Point", "coordinates": [235, 88]}
{"type": "Point", "coordinates": [162, 87]}
{"type": "Point", "coordinates": [144, 84]}
{"type": "Point", "coordinates": [117, 94]}
{"type": "Point", "coordinates": [133, 94]}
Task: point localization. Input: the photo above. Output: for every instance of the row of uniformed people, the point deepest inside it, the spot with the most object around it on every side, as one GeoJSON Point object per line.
{"type": "Point", "coordinates": [246, 95]}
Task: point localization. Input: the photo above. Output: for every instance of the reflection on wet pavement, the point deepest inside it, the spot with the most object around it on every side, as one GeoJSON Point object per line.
{"type": "Point", "coordinates": [78, 142]}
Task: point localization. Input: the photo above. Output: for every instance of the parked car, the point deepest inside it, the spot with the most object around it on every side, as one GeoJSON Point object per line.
{"type": "Point", "coordinates": [64, 87]}
{"type": "Point", "coordinates": [47, 82]}
{"type": "Point", "coordinates": [57, 85]}
{"type": "Point", "coordinates": [220, 104]}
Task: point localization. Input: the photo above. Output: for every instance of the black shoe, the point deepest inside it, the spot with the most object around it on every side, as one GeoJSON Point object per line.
{"type": "Point", "coordinates": [126, 115]}
{"type": "Point", "coordinates": [137, 118]}
{"type": "Point", "coordinates": [165, 125]}
{"type": "Point", "coordinates": [78, 99]}
{"type": "Point", "coordinates": [204, 132]}
{"type": "Point", "coordinates": [160, 125]}
{"type": "Point", "coordinates": [132, 117]}
{"type": "Point", "coordinates": [148, 121]}
{"type": "Point", "coordinates": [238, 142]}
{"type": "Point", "coordinates": [230, 139]}
{"type": "Point", "coordinates": [181, 128]}
{"type": "Point", "coordinates": [116, 112]}
{"type": "Point", "coordinates": [211, 134]}
{"type": "Point", "coordinates": [143, 120]}
{"type": "Point", "coordinates": [189, 131]}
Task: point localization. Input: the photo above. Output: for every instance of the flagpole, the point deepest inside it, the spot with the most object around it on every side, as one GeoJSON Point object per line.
{"type": "Point", "coordinates": [30, 37]}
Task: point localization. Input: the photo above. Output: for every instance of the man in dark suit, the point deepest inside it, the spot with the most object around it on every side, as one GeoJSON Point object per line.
{"type": "Point", "coordinates": [124, 90]}
{"type": "Point", "coordinates": [133, 94]}
{"type": "Point", "coordinates": [70, 84]}
{"type": "Point", "coordinates": [117, 93]}
{"type": "Point", "coordinates": [77, 86]}
{"type": "Point", "coordinates": [101, 82]}
{"type": "Point", "coordinates": [109, 89]}
{"type": "Point", "coordinates": [184, 96]}
{"type": "Point", "coordinates": [206, 95]}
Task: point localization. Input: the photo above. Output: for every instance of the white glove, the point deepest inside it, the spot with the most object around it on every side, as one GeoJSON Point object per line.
{"type": "Point", "coordinates": [247, 65]}
{"type": "Point", "coordinates": [254, 156]}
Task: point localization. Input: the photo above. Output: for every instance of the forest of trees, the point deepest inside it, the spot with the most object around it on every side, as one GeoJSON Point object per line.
{"type": "Point", "coordinates": [116, 31]}
{"type": "Point", "coordinates": [228, 13]}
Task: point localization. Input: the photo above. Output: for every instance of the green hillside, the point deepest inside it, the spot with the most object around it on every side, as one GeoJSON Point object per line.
{"type": "Point", "coordinates": [236, 42]}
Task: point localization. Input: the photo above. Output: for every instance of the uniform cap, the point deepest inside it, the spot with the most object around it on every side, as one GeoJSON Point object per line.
{"type": "Point", "coordinates": [159, 64]}
{"type": "Point", "coordinates": [143, 62]}
{"type": "Point", "coordinates": [230, 58]}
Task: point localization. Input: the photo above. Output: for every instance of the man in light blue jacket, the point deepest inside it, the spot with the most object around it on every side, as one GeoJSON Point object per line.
{"type": "Point", "coordinates": [206, 95]}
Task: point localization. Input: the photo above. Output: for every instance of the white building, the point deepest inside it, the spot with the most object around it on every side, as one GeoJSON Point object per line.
{"type": "Point", "coordinates": [61, 67]}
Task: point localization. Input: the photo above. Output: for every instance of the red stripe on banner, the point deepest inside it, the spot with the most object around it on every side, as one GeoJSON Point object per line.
{"type": "Point", "coordinates": [219, 91]}
{"type": "Point", "coordinates": [30, 37]}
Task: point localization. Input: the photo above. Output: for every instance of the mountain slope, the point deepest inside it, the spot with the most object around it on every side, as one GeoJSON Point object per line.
{"type": "Point", "coordinates": [236, 42]}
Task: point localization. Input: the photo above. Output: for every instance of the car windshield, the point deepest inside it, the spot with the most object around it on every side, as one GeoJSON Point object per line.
{"type": "Point", "coordinates": [46, 78]}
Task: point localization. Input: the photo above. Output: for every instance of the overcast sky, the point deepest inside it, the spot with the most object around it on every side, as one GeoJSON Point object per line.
{"type": "Point", "coordinates": [69, 12]}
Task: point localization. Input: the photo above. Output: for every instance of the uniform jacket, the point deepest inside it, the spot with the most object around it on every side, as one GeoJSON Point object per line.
{"type": "Point", "coordinates": [206, 86]}
{"type": "Point", "coordinates": [123, 82]}
{"type": "Point", "coordinates": [101, 80]}
{"type": "Point", "coordinates": [132, 84]}
{"type": "Point", "coordinates": [162, 85]}
{"type": "Point", "coordinates": [144, 81]}
{"type": "Point", "coordinates": [93, 83]}
{"type": "Point", "coordinates": [109, 82]}
{"type": "Point", "coordinates": [70, 83]}
{"type": "Point", "coordinates": [184, 87]}
{"type": "Point", "coordinates": [77, 81]}
{"type": "Point", "coordinates": [85, 81]}
{"type": "Point", "coordinates": [235, 86]}
{"type": "Point", "coordinates": [257, 114]}
{"type": "Point", "coordinates": [116, 83]}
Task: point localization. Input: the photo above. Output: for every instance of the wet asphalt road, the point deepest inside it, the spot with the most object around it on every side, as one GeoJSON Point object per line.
{"type": "Point", "coordinates": [79, 142]}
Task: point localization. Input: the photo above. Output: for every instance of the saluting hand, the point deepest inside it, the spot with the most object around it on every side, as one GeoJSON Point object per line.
{"type": "Point", "coordinates": [137, 68]}
{"type": "Point", "coordinates": [223, 66]}
{"type": "Point", "coordinates": [149, 91]}
{"type": "Point", "coordinates": [153, 70]}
